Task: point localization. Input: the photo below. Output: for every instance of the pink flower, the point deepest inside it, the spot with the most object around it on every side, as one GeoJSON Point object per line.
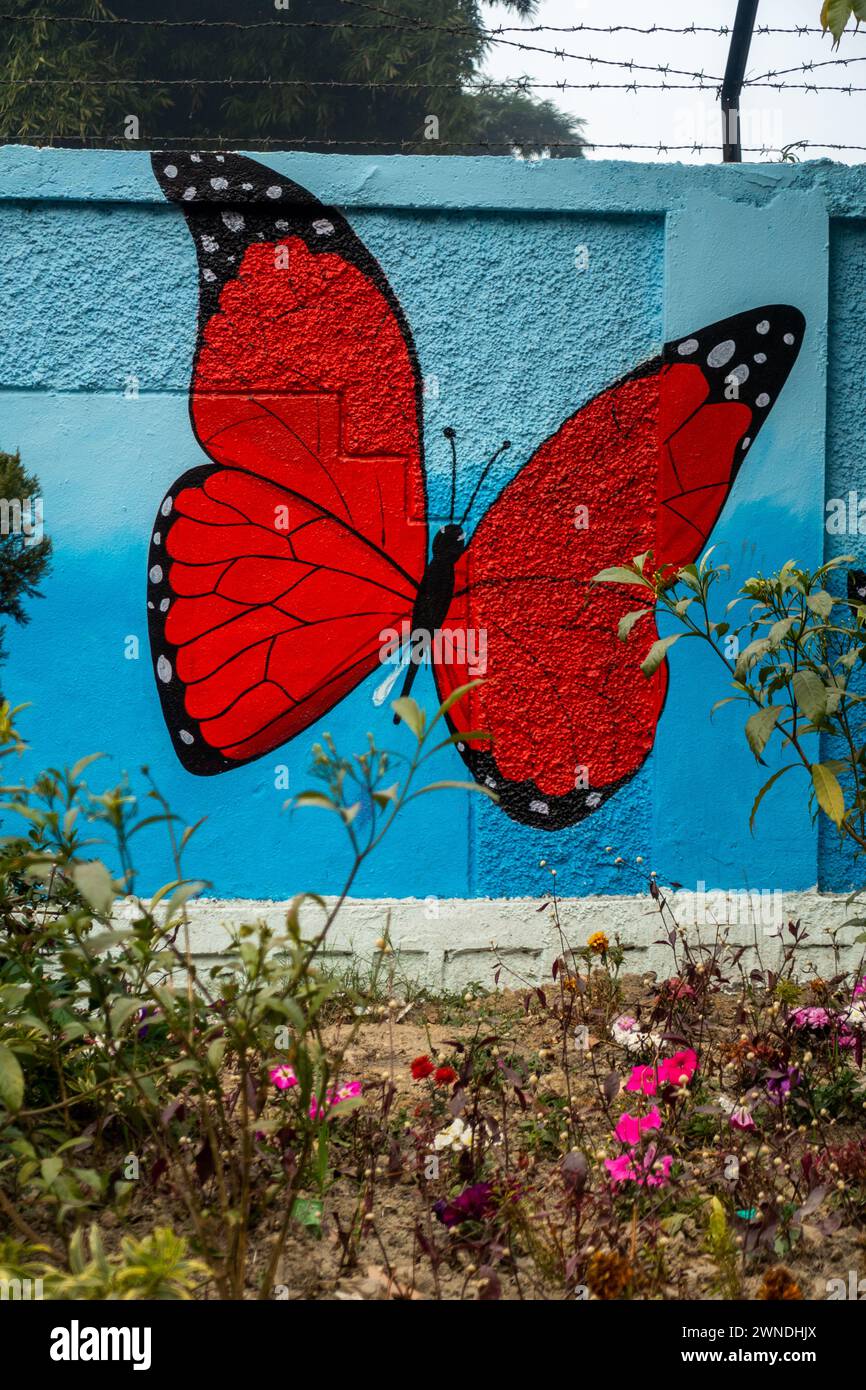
{"type": "Point", "coordinates": [679, 1069]}
{"type": "Point", "coordinates": [352, 1088]}
{"type": "Point", "coordinates": [284, 1078]}
{"type": "Point", "coordinates": [661, 1171]}
{"type": "Point", "coordinates": [630, 1127]}
{"type": "Point", "coordinates": [643, 1079]}
{"type": "Point", "coordinates": [810, 1018]}
{"type": "Point", "coordinates": [621, 1169]}
{"type": "Point", "coordinates": [741, 1118]}
{"type": "Point", "coordinates": [860, 987]}
{"type": "Point", "coordinates": [646, 1169]}
{"type": "Point", "coordinates": [674, 1071]}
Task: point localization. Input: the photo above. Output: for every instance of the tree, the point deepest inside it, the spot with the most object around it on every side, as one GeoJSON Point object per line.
{"type": "Point", "coordinates": [24, 551]}
{"type": "Point", "coordinates": [382, 75]}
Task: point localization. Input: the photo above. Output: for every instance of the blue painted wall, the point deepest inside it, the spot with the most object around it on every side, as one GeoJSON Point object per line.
{"type": "Point", "coordinates": [98, 287]}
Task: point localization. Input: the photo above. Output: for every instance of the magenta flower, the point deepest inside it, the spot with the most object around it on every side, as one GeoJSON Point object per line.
{"type": "Point", "coordinates": [473, 1204]}
{"type": "Point", "coordinates": [644, 1080]}
{"type": "Point", "coordinates": [630, 1127]}
{"type": "Point", "coordinates": [674, 1071]}
{"type": "Point", "coordinates": [283, 1078]}
{"type": "Point", "coordinates": [646, 1169]}
{"type": "Point", "coordinates": [679, 1069]}
{"type": "Point", "coordinates": [317, 1110]}
{"type": "Point", "coordinates": [860, 987]}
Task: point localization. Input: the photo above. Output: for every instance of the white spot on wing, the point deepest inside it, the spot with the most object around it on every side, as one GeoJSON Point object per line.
{"type": "Point", "coordinates": [763, 326]}
{"type": "Point", "coordinates": [541, 808]}
{"type": "Point", "coordinates": [234, 221]}
{"type": "Point", "coordinates": [156, 574]}
{"type": "Point", "coordinates": [688, 347]}
{"type": "Point", "coordinates": [721, 353]}
{"type": "Point", "coordinates": [163, 669]}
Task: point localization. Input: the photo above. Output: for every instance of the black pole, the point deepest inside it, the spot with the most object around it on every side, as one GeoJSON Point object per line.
{"type": "Point", "coordinates": [738, 55]}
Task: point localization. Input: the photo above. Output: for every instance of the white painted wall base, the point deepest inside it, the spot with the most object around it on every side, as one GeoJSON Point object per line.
{"type": "Point", "coordinates": [445, 943]}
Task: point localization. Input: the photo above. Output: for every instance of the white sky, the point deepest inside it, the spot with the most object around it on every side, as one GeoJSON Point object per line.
{"type": "Point", "coordinates": [769, 117]}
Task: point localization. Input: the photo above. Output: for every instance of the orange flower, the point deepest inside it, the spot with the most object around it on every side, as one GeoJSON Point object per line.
{"type": "Point", "coordinates": [598, 943]}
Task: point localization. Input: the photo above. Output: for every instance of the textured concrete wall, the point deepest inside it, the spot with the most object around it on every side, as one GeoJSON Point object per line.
{"type": "Point", "coordinates": [528, 291]}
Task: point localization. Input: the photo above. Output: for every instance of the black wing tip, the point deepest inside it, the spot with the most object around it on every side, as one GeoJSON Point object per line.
{"type": "Point", "coordinates": [221, 177]}
{"type": "Point", "coordinates": [746, 357]}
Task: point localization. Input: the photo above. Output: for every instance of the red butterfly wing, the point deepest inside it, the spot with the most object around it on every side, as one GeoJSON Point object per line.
{"type": "Point", "coordinates": [645, 465]}
{"type": "Point", "coordinates": [274, 569]}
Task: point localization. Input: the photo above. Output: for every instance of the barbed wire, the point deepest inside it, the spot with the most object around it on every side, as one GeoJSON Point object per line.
{"type": "Point", "coordinates": [805, 67]}
{"type": "Point", "coordinates": [515, 84]}
{"type": "Point", "coordinates": [287, 143]}
{"type": "Point", "coordinates": [722, 30]}
{"type": "Point", "coordinates": [423, 26]}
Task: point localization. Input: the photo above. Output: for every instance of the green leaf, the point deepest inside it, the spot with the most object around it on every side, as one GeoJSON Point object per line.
{"type": "Point", "coordinates": [820, 603]}
{"type": "Point", "coordinates": [836, 13]}
{"type": "Point", "coordinates": [780, 630]}
{"type": "Point", "coordinates": [749, 655]}
{"type": "Point", "coordinates": [78, 768]}
{"type": "Point", "coordinates": [411, 713]}
{"type": "Point", "coordinates": [829, 793]}
{"type": "Point", "coordinates": [763, 792]}
{"type": "Point", "coordinates": [122, 1012]}
{"type": "Point", "coordinates": [324, 803]}
{"type": "Point", "coordinates": [181, 896]}
{"type": "Point", "coordinates": [461, 786]}
{"type": "Point", "coordinates": [810, 694]}
{"type": "Point", "coordinates": [452, 699]}
{"type": "Point", "coordinates": [627, 622]}
{"type": "Point", "coordinates": [308, 1211]}
{"type": "Point", "coordinates": [98, 942]}
{"type": "Point", "coordinates": [618, 574]}
{"type": "Point", "coordinates": [760, 727]}
{"type": "Point", "coordinates": [94, 883]}
{"type": "Point", "coordinates": [656, 654]}
{"type": "Point", "coordinates": [728, 700]}
{"type": "Point", "coordinates": [11, 1080]}
{"type": "Point", "coordinates": [51, 1169]}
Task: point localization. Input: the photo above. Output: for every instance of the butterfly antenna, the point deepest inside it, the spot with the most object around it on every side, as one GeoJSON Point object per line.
{"type": "Point", "coordinates": [451, 436]}
{"type": "Point", "coordinates": [506, 444]}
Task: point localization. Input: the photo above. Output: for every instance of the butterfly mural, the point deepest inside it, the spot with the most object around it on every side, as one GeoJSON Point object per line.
{"type": "Point", "coordinates": [277, 566]}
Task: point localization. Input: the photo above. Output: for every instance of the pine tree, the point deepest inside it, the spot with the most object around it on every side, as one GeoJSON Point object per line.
{"type": "Point", "coordinates": [24, 551]}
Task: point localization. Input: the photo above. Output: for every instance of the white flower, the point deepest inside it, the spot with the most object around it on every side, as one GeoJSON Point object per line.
{"type": "Point", "coordinates": [625, 1031]}
{"type": "Point", "coordinates": [456, 1137]}
{"type": "Point", "coordinates": [856, 1016]}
